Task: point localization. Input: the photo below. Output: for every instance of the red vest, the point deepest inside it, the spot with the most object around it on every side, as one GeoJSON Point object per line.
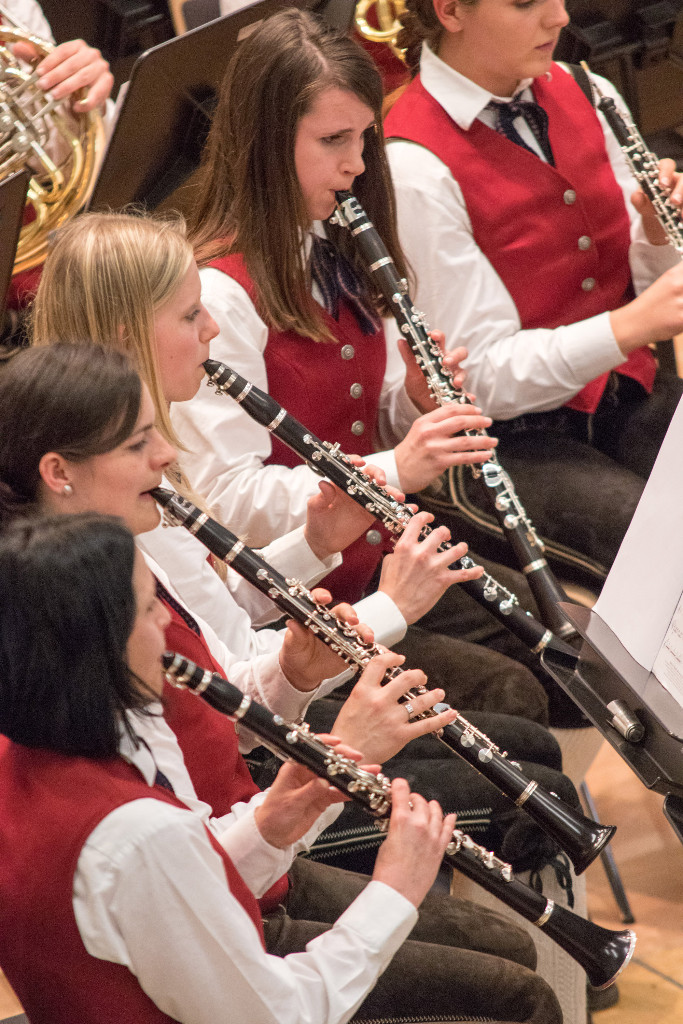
{"type": "Point", "coordinates": [49, 805]}
{"type": "Point", "coordinates": [393, 71]}
{"type": "Point", "coordinates": [313, 382]}
{"type": "Point", "coordinates": [528, 217]}
{"type": "Point", "coordinates": [208, 741]}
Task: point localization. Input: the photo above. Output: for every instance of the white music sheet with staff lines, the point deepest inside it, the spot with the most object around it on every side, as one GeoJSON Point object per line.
{"type": "Point", "coordinates": [642, 600]}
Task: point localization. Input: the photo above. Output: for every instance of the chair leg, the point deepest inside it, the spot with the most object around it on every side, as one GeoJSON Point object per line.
{"type": "Point", "coordinates": [610, 865]}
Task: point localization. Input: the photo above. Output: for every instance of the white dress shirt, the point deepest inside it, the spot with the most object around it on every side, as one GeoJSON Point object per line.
{"type": "Point", "coordinates": [236, 610]}
{"type": "Point", "coordinates": [225, 461]}
{"type": "Point", "coordinates": [259, 675]}
{"type": "Point", "coordinates": [510, 370]}
{"type": "Point", "coordinates": [150, 893]}
{"type": "Point", "coordinates": [249, 658]}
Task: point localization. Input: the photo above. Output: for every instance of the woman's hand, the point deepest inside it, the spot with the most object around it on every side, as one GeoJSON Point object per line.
{"type": "Point", "coordinates": [297, 798]}
{"type": "Point", "coordinates": [654, 315]}
{"type": "Point", "coordinates": [417, 574]}
{"type": "Point", "coordinates": [305, 660]}
{"type": "Point", "coordinates": [434, 443]}
{"type": "Point", "coordinates": [415, 383]}
{"type": "Point", "coordinates": [333, 519]}
{"type": "Point", "coordinates": [69, 67]}
{"type": "Point", "coordinates": [371, 718]}
{"type": "Point", "coordinates": [410, 857]}
{"type": "Point", "coordinates": [672, 182]}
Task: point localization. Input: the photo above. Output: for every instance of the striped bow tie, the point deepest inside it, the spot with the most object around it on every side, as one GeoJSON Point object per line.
{"type": "Point", "coordinates": [534, 115]}
{"type": "Point", "coordinates": [335, 277]}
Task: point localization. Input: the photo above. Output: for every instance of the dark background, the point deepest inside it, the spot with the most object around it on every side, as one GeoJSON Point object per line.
{"type": "Point", "coordinates": [637, 44]}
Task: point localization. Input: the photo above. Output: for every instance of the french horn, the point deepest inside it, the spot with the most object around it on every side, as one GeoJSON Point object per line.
{"type": "Point", "coordinates": [388, 16]}
{"type": "Point", "coordinates": [61, 148]}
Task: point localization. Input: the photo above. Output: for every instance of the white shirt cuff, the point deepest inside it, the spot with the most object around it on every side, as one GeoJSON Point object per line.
{"type": "Point", "coordinates": [382, 916]}
{"type": "Point", "coordinates": [648, 262]}
{"type": "Point", "coordinates": [259, 863]}
{"type": "Point", "coordinates": [590, 348]}
{"type": "Point", "coordinates": [382, 615]}
{"type": "Point", "coordinates": [293, 557]}
{"type": "Point", "coordinates": [386, 461]}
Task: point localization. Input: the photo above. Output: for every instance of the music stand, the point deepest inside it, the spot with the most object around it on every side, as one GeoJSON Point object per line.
{"type": "Point", "coordinates": [13, 191]}
{"type": "Point", "coordinates": [165, 115]}
{"type": "Point", "coordinates": [606, 672]}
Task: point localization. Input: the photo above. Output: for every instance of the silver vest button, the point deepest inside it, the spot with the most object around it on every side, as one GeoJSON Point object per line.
{"type": "Point", "coordinates": [585, 242]}
{"type": "Point", "coordinates": [588, 284]}
{"type": "Point", "coordinates": [347, 352]}
{"type": "Point", "coordinates": [373, 537]}
{"type": "Point", "coordinates": [356, 390]}
{"type": "Point", "coordinates": [570, 197]}
{"type": "Point", "coordinates": [357, 428]}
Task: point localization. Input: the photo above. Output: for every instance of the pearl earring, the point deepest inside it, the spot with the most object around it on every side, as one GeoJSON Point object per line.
{"type": "Point", "coordinates": [67, 490]}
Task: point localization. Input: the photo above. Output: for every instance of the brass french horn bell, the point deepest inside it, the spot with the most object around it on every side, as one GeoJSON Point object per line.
{"type": "Point", "coordinates": [31, 122]}
{"type": "Point", "coordinates": [388, 14]}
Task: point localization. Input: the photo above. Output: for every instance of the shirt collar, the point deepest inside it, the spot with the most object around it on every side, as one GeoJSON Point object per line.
{"type": "Point", "coordinates": [461, 98]}
{"type": "Point", "coordinates": [139, 756]}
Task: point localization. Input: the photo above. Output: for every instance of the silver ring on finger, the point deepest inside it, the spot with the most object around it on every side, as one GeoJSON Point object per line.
{"type": "Point", "coordinates": [409, 708]}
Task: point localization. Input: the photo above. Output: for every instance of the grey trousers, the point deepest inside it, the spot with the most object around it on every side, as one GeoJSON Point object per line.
{"type": "Point", "coordinates": [461, 961]}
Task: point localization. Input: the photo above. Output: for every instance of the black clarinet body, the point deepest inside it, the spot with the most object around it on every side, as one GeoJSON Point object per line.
{"type": "Point", "coordinates": [603, 954]}
{"type": "Point", "coordinates": [497, 485]}
{"type": "Point", "coordinates": [645, 169]}
{"type": "Point", "coordinates": [329, 461]}
{"type": "Point", "coordinates": [581, 838]}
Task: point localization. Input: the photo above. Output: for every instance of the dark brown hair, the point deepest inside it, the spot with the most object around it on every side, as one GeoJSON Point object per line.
{"type": "Point", "coordinates": [77, 400]}
{"type": "Point", "coordinates": [249, 199]}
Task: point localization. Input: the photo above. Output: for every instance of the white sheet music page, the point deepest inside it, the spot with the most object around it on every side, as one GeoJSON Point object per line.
{"type": "Point", "coordinates": [643, 591]}
{"type": "Point", "coordinates": [668, 666]}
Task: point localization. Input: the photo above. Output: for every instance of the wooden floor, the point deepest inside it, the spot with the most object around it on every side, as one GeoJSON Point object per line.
{"type": "Point", "coordinates": [650, 859]}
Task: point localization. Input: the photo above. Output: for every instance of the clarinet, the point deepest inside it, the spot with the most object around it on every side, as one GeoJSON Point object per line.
{"type": "Point", "coordinates": [497, 485]}
{"type": "Point", "coordinates": [581, 838]}
{"type": "Point", "coordinates": [603, 954]}
{"type": "Point", "coordinates": [643, 164]}
{"type": "Point", "coordinates": [329, 461]}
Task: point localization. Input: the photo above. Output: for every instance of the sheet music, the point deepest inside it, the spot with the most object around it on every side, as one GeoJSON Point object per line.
{"type": "Point", "coordinates": [668, 666]}
{"type": "Point", "coordinates": [644, 587]}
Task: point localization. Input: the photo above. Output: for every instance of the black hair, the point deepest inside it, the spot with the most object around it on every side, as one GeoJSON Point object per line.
{"type": "Point", "coordinates": [67, 608]}
{"type": "Point", "coordinates": [77, 400]}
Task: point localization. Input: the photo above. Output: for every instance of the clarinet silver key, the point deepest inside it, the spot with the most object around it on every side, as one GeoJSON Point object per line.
{"type": "Point", "coordinates": [644, 166]}
{"type": "Point", "coordinates": [603, 954]}
{"type": "Point", "coordinates": [580, 837]}
{"type": "Point", "coordinates": [328, 460]}
{"type": "Point", "coordinates": [497, 485]}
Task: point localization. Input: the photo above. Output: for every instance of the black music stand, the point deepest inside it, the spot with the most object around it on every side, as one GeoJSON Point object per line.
{"type": "Point", "coordinates": [165, 114]}
{"type": "Point", "coordinates": [13, 191]}
{"type": "Point", "coordinates": [606, 672]}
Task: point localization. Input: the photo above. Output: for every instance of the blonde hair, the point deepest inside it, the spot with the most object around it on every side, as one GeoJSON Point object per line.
{"type": "Point", "coordinates": [105, 276]}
